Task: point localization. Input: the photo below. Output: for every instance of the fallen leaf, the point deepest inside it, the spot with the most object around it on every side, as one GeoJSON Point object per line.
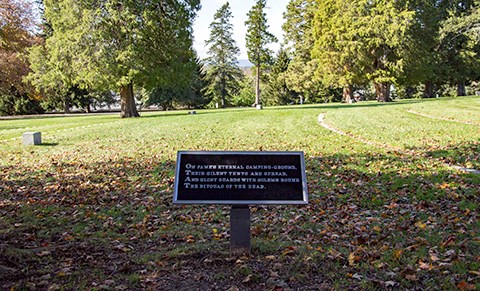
{"type": "Point", "coordinates": [270, 258]}
{"type": "Point", "coordinates": [381, 265]}
{"type": "Point", "coordinates": [390, 283]}
{"type": "Point", "coordinates": [465, 286]}
{"type": "Point", "coordinates": [424, 266]}
{"type": "Point", "coordinates": [248, 278]}
{"type": "Point", "coordinates": [412, 277]}
{"type": "Point", "coordinates": [434, 258]}
{"type": "Point", "coordinates": [289, 251]}
{"type": "Point", "coordinates": [357, 276]}
{"type": "Point", "coordinates": [43, 253]}
{"type": "Point", "coordinates": [420, 225]}
{"type": "Point", "coordinates": [397, 254]}
{"type": "Point", "coordinates": [351, 259]}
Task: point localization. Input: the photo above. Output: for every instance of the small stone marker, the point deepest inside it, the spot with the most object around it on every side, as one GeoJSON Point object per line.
{"type": "Point", "coordinates": [240, 179]}
{"type": "Point", "coordinates": [32, 138]}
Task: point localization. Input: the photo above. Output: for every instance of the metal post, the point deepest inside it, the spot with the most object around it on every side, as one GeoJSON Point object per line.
{"type": "Point", "coordinates": [239, 230]}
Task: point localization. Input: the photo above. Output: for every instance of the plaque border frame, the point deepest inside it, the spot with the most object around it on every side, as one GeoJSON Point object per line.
{"type": "Point", "coordinates": [304, 200]}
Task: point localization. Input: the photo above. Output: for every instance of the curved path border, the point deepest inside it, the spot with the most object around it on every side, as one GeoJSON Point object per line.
{"type": "Point", "coordinates": [321, 121]}
{"type": "Point", "coordinates": [441, 118]}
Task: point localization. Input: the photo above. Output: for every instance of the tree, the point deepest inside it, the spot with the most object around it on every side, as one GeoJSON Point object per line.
{"type": "Point", "coordinates": [197, 98]}
{"type": "Point", "coordinates": [16, 36]}
{"type": "Point", "coordinates": [466, 22]}
{"type": "Point", "coordinates": [223, 73]}
{"type": "Point", "coordinates": [277, 91]}
{"type": "Point", "coordinates": [459, 39]}
{"type": "Point", "coordinates": [360, 40]}
{"type": "Point", "coordinates": [337, 45]}
{"type": "Point", "coordinates": [439, 51]}
{"type": "Point", "coordinates": [113, 44]}
{"type": "Point", "coordinates": [298, 37]}
{"type": "Point", "coordinates": [257, 39]}
{"type": "Point", "coordinates": [421, 59]}
{"type": "Point", "coordinates": [191, 95]}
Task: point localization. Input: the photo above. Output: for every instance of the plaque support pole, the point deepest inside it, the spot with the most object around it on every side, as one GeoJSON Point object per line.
{"type": "Point", "coordinates": [240, 230]}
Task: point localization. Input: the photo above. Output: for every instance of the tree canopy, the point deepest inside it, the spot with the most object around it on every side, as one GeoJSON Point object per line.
{"type": "Point", "coordinates": [16, 36]}
{"type": "Point", "coordinates": [359, 41]}
{"type": "Point", "coordinates": [115, 44]}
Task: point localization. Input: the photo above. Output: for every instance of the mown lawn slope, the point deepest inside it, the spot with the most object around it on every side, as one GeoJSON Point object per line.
{"type": "Point", "coordinates": [91, 208]}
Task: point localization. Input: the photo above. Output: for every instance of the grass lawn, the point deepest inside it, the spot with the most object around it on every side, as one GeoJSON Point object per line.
{"type": "Point", "coordinates": [91, 208]}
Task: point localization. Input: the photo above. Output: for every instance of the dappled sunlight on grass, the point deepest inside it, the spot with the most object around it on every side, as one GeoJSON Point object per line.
{"type": "Point", "coordinates": [95, 204]}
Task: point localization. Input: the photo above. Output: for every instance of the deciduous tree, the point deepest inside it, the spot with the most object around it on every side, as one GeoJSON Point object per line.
{"type": "Point", "coordinates": [16, 36]}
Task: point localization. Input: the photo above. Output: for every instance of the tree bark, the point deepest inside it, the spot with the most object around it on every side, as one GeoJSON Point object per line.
{"type": "Point", "coordinates": [461, 91]}
{"type": "Point", "coordinates": [257, 87]}
{"type": "Point", "coordinates": [224, 92]}
{"type": "Point", "coordinates": [66, 105]}
{"type": "Point", "coordinates": [382, 90]}
{"type": "Point", "coordinates": [348, 94]}
{"type": "Point", "coordinates": [428, 91]}
{"type": "Point", "coordinates": [127, 102]}
{"type": "Point", "coordinates": [410, 91]}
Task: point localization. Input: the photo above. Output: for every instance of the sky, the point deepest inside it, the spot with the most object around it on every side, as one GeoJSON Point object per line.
{"type": "Point", "coordinates": [239, 9]}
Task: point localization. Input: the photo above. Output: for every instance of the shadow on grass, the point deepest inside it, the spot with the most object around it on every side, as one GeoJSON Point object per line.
{"type": "Point", "coordinates": [464, 154]}
{"type": "Point", "coordinates": [48, 144]}
{"type": "Point", "coordinates": [366, 204]}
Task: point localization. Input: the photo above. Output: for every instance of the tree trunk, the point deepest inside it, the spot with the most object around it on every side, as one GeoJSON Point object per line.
{"type": "Point", "coordinates": [428, 91]}
{"type": "Point", "coordinates": [382, 90]}
{"type": "Point", "coordinates": [66, 105]}
{"type": "Point", "coordinates": [348, 94]}
{"type": "Point", "coordinates": [410, 91]}
{"type": "Point", "coordinates": [461, 91]}
{"type": "Point", "coordinates": [224, 92]}
{"type": "Point", "coordinates": [257, 87]}
{"type": "Point", "coordinates": [127, 102]}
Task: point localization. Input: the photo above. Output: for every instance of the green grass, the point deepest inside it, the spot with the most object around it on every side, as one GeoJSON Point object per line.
{"type": "Point", "coordinates": [98, 196]}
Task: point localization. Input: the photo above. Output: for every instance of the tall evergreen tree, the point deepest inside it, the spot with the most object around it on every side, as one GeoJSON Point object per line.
{"type": "Point", "coordinates": [298, 36]}
{"type": "Point", "coordinates": [198, 84]}
{"type": "Point", "coordinates": [114, 44]}
{"type": "Point", "coordinates": [459, 42]}
{"type": "Point", "coordinates": [360, 40]}
{"type": "Point", "coordinates": [257, 39]}
{"type": "Point", "coordinates": [421, 59]}
{"type": "Point", "coordinates": [171, 95]}
{"type": "Point", "coordinates": [223, 73]}
{"type": "Point", "coordinates": [277, 91]}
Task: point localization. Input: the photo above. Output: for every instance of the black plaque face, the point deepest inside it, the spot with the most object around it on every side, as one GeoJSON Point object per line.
{"type": "Point", "coordinates": [240, 178]}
